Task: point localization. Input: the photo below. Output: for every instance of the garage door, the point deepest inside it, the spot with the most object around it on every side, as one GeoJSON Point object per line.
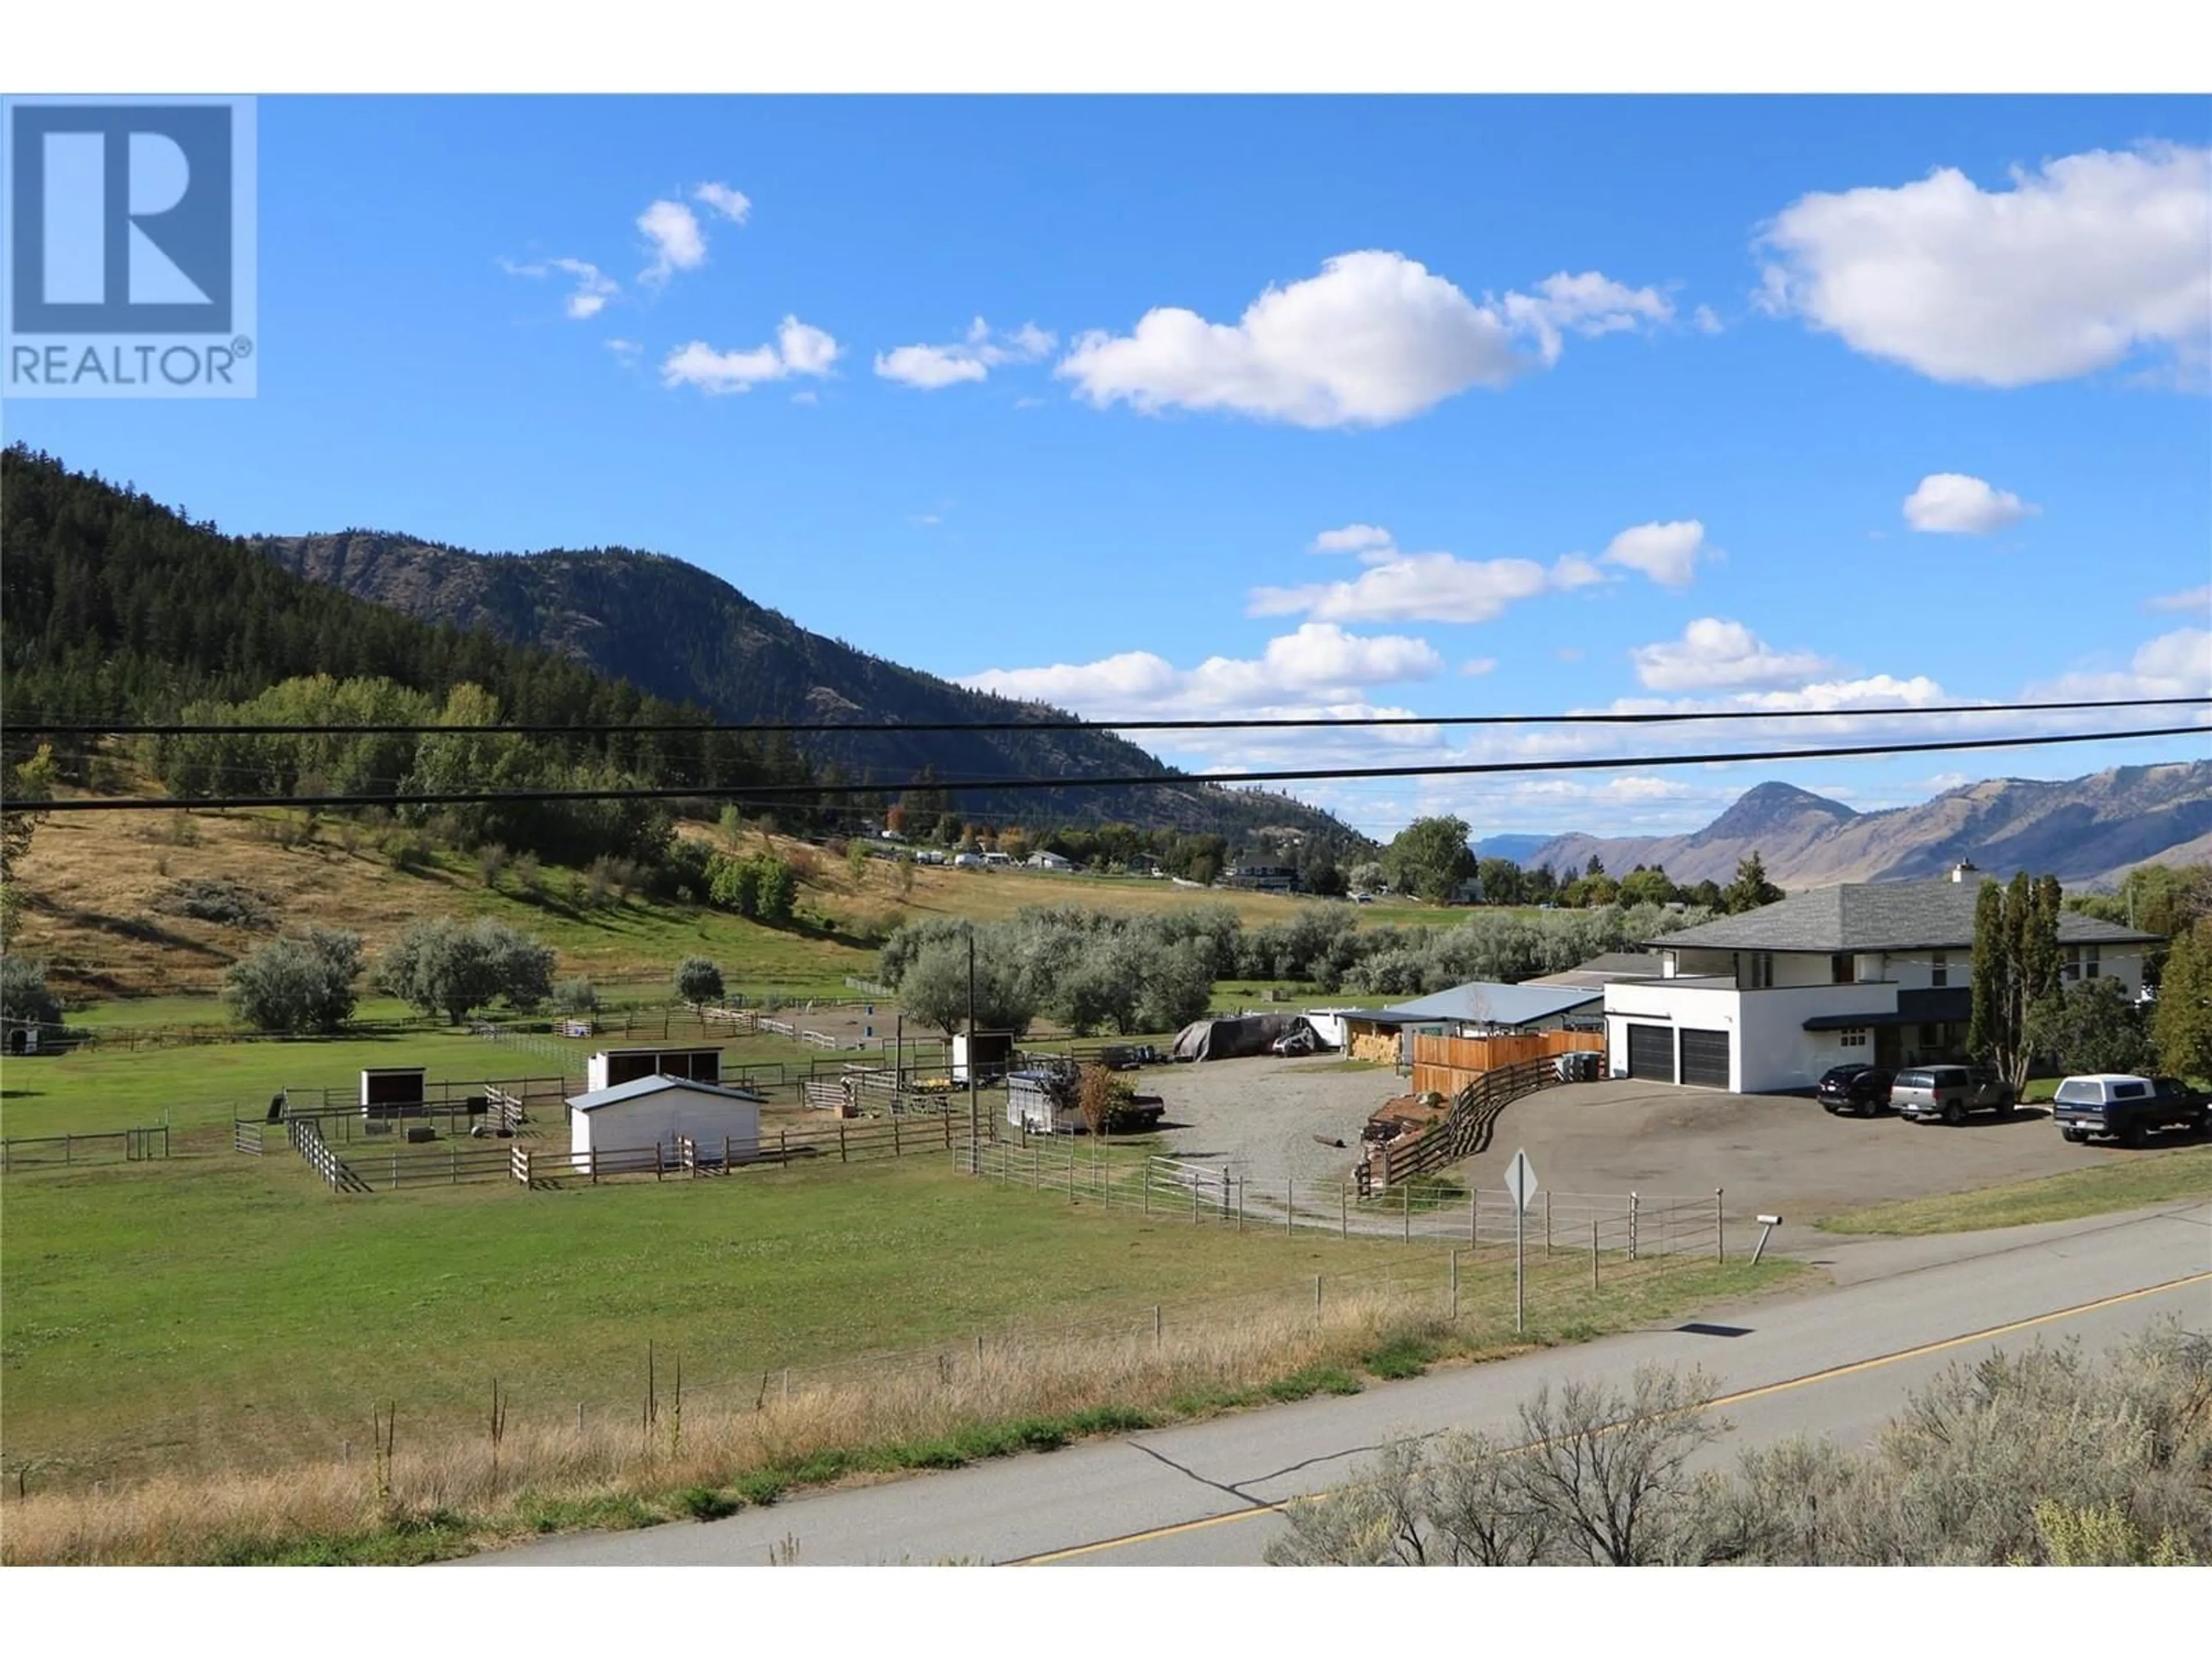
{"type": "Point", "coordinates": [1705, 1058]}
{"type": "Point", "coordinates": [1651, 1053]}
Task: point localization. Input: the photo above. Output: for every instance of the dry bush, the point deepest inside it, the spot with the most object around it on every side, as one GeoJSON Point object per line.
{"type": "Point", "coordinates": [2045, 1456]}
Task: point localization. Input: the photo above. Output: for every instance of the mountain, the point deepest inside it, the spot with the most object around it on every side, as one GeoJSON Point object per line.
{"type": "Point", "coordinates": [679, 632]}
{"type": "Point", "coordinates": [2084, 831]}
{"type": "Point", "coordinates": [1519, 850]}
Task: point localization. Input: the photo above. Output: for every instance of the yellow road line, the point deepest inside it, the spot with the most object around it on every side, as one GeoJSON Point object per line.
{"type": "Point", "coordinates": [1810, 1377]}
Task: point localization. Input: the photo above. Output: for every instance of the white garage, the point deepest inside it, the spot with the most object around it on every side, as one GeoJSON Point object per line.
{"type": "Point", "coordinates": [650, 1111]}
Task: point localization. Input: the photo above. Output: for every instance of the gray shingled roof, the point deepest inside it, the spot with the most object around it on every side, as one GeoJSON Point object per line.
{"type": "Point", "coordinates": [1877, 915]}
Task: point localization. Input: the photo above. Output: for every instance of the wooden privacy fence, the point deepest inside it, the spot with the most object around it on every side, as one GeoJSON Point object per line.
{"type": "Point", "coordinates": [1449, 1063]}
{"type": "Point", "coordinates": [121, 1145]}
{"type": "Point", "coordinates": [1467, 1130]}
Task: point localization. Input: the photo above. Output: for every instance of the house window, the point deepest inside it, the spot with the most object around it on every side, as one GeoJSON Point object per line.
{"type": "Point", "coordinates": [1843, 969]}
{"type": "Point", "coordinates": [2081, 962]}
{"type": "Point", "coordinates": [1939, 971]}
{"type": "Point", "coordinates": [1762, 970]}
{"type": "Point", "coordinates": [1931, 1036]}
{"type": "Point", "coordinates": [1854, 1038]}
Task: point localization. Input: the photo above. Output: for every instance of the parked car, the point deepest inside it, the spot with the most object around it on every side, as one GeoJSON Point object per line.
{"type": "Point", "coordinates": [1860, 1090]}
{"type": "Point", "coordinates": [1926, 1093]}
{"type": "Point", "coordinates": [2128, 1108]}
{"type": "Point", "coordinates": [1302, 1040]}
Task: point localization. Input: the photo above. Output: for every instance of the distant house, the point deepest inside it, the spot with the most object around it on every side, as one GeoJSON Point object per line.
{"type": "Point", "coordinates": [650, 1111]}
{"type": "Point", "coordinates": [997, 858]}
{"type": "Point", "coordinates": [1043, 860]}
{"type": "Point", "coordinates": [1873, 971]}
{"type": "Point", "coordinates": [1263, 877]}
{"type": "Point", "coordinates": [892, 835]}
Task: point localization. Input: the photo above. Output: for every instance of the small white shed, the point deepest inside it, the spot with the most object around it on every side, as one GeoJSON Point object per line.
{"type": "Point", "coordinates": [651, 1111]}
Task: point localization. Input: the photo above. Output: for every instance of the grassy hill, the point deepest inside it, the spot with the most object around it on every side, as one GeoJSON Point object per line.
{"type": "Point", "coordinates": [101, 887]}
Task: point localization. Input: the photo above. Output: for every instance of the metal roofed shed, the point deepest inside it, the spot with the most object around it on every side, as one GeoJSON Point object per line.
{"type": "Point", "coordinates": [656, 1110]}
{"type": "Point", "coordinates": [1497, 1007]}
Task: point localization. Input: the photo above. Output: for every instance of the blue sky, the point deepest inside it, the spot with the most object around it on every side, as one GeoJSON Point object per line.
{"type": "Point", "coordinates": [1758, 402]}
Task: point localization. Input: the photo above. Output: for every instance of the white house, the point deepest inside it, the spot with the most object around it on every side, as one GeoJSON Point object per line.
{"type": "Point", "coordinates": [1043, 860]}
{"type": "Point", "coordinates": [649, 1111]}
{"type": "Point", "coordinates": [1872, 971]}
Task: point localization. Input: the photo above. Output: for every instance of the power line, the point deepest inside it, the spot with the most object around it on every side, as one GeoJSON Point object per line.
{"type": "Point", "coordinates": [178, 729]}
{"type": "Point", "coordinates": [1604, 763]}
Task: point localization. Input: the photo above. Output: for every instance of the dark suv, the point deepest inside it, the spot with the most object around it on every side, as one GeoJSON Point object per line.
{"type": "Point", "coordinates": [1860, 1091]}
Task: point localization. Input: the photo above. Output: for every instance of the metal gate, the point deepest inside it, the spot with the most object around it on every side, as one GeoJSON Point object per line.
{"type": "Point", "coordinates": [1651, 1053]}
{"type": "Point", "coordinates": [1705, 1058]}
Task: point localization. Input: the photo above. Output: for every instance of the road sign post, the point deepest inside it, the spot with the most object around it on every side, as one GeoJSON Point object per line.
{"type": "Point", "coordinates": [1521, 1182]}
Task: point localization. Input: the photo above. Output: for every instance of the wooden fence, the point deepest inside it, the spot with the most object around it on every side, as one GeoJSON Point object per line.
{"type": "Point", "coordinates": [123, 1146]}
{"type": "Point", "coordinates": [1447, 1064]}
{"type": "Point", "coordinates": [843, 1141]}
{"type": "Point", "coordinates": [1474, 1109]}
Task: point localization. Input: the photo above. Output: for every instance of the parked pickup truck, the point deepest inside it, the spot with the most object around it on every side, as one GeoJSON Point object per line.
{"type": "Point", "coordinates": [2128, 1108]}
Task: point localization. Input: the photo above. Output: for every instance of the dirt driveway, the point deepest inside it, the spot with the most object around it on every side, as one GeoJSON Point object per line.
{"type": "Point", "coordinates": [1772, 1153]}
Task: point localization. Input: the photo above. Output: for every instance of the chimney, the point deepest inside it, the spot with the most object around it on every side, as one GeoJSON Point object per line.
{"type": "Point", "coordinates": [1962, 869]}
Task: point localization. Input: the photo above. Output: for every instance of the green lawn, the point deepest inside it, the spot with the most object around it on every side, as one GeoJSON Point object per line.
{"type": "Point", "coordinates": [2130, 1180]}
{"type": "Point", "coordinates": [220, 1308]}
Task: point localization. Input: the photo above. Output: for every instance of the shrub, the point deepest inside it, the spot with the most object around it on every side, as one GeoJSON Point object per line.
{"type": "Point", "coordinates": [698, 980]}
{"type": "Point", "coordinates": [491, 862]}
{"type": "Point", "coordinates": [576, 996]}
{"type": "Point", "coordinates": [302, 982]}
{"type": "Point", "coordinates": [441, 966]}
{"type": "Point", "coordinates": [23, 993]}
{"type": "Point", "coordinates": [229, 903]}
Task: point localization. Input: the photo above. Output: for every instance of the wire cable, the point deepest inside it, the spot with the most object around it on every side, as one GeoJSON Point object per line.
{"type": "Point", "coordinates": [76, 728]}
{"type": "Point", "coordinates": [1596, 763]}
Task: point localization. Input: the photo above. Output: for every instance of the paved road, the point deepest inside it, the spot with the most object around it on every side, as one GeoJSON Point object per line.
{"type": "Point", "coordinates": [1839, 1361]}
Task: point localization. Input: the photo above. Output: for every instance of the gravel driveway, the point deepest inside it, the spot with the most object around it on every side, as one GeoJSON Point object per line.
{"type": "Point", "coordinates": [1772, 1153]}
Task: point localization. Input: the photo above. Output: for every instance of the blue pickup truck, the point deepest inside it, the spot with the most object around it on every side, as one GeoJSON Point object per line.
{"type": "Point", "coordinates": [2127, 1108]}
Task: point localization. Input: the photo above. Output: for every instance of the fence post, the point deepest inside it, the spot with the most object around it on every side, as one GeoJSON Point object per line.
{"type": "Point", "coordinates": [1070, 1168]}
{"type": "Point", "coordinates": [1454, 1285]}
{"type": "Point", "coordinates": [1193, 1199]}
{"type": "Point", "coordinates": [1316, 1294]}
{"type": "Point", "coordinates": [1148, 1207]}
{"type": "Point", "coordinates": [1240, 1207]}
{"type": "Point", "coordinates": [1290, 1203]}
{"type": "Point", "coordinates": [1474, 1221]}
{"type": "Point", "coordinates": [1547, 1222]}
{"type": "Point", "coordinates": [1632, 1226]}
{"type": "Point", "coordinates": [457, 1165]}
{"type": "Point", "coordinates": [595, 1166]}
{"type": "Point", "coordinates": [1593, 1253]}
{"type": "Point", "coordinates": [783, 1144]}
{"type": "Point", "coordinates": [1155, 1324]}
{"type": "Point", "coordinates": [1720, 1228]}
{"type": "Point", "coordinates": [1408, 1208]}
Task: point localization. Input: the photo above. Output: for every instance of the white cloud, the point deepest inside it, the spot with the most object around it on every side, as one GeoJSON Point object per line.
{"type": "Point", "coordinates": [671, 232]}
{"type": "Point", "coordinates": [2176, 665]}
{"type": "Point", "coordinates": [798, 349]}
{"type": "Point", "coordinates": [1477, 666]}
{"type": "Point", "coordinates": [1666, 553]}
{"type": "Point", "coordinates": [2086, 261]}
{"type": "Point", "coordinates": [1424, 587]}
{"type": "Point", "coordinates": [1713, 653]}
{"type": "Point", "coordinates": [1590, 304]}
{"type": "Point", "coordinates": [1706, 320]}
{"type": "Point", "coordinates": [1956, 504]}
{"type": "Point", "coordinates": [2199, 599]}
{"type": "Point", "coordinates": [1375, 338]}
{"type": "Point", "coordinates": [627, 352]}
{"type": "Point", "coordinates": [730, 204]}
{"type": "Point", "coordinates": [1319, 663]}
{"type": "Point", "coordinates": [932, 368]}
{"type": "Point", "coordinates": [1353, 538]}
{"type": "Point", "coordinates": [593, 287]}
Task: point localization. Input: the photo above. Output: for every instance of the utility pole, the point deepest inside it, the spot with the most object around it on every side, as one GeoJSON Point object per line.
{"type": "Point", "coordinates": [975, 1153]}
